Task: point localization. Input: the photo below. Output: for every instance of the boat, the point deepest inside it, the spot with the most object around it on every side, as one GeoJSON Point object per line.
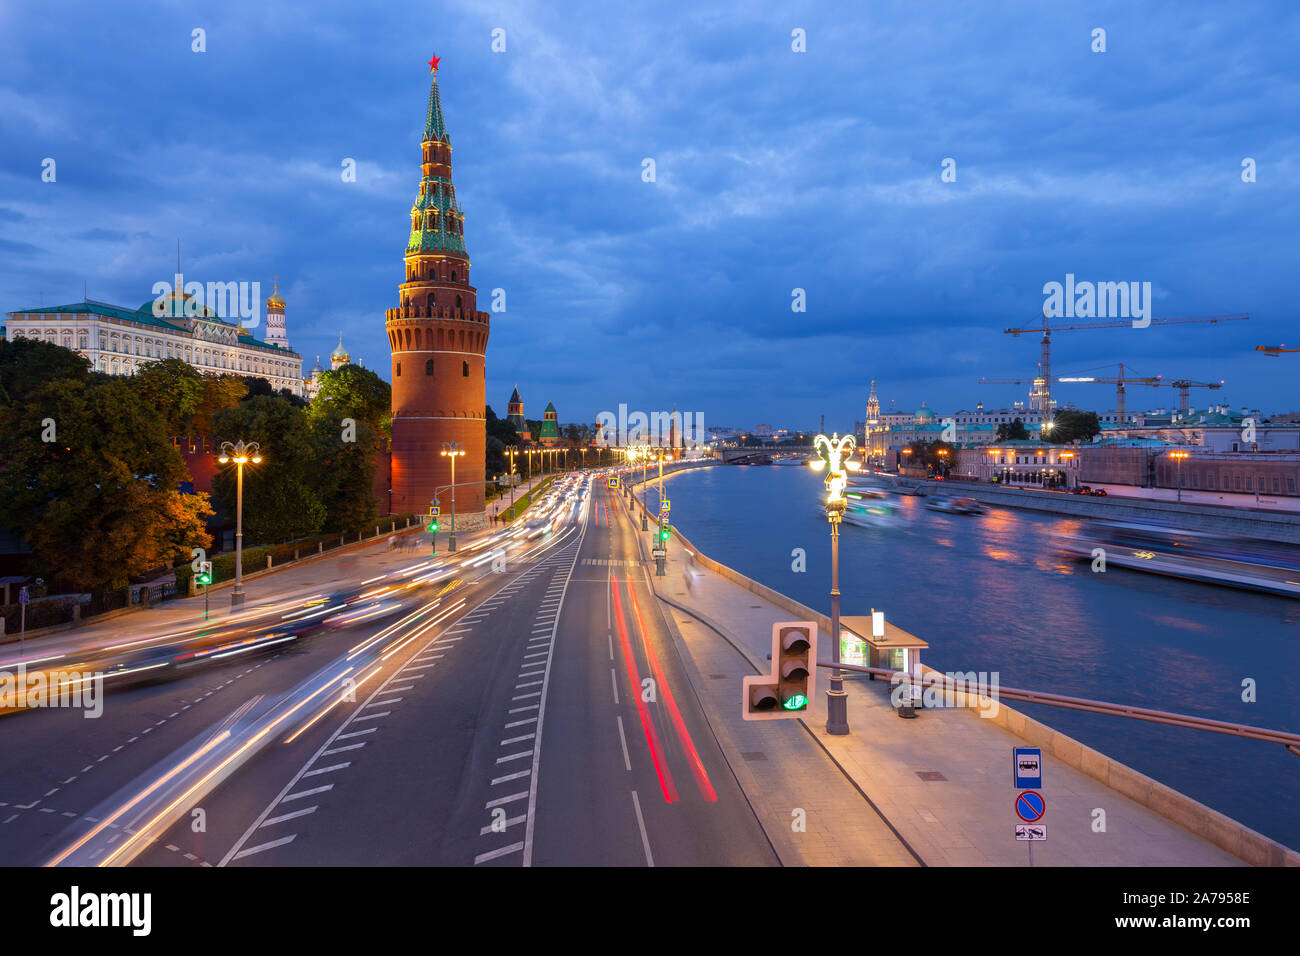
{"type": "Point", "coordinates": [1240, 562]}
{"type": "Point", "coordinates": [869, 508]}
{"type": "Point", "coordinates": [953, 505]}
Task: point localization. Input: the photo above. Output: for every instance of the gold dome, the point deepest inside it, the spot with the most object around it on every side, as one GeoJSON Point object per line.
{"type": "Point", "coordinates": [275, 301]}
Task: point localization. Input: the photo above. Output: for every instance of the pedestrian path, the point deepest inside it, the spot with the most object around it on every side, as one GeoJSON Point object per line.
{"type": "Point", "coordinates": [942, 780]}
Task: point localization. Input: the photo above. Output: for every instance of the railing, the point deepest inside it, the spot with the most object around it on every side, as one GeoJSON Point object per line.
{"type": "Point", "coordinates": [1288, 740]}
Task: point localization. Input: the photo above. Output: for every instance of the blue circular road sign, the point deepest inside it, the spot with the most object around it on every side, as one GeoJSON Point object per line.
{"type": "Point", "coordinates": [1030, 806]}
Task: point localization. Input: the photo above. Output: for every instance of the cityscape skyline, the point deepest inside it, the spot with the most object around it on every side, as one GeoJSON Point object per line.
{"type": "Point", "coordinates": [1130, 179]}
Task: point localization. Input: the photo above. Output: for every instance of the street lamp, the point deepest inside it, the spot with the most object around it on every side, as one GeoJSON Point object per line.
{"type": "Point", "coordinates": [452, 450]}
{"type": "Point", "coordinates": [241, 453]}
{"type": "Point", "coordinates": [835, 455]}
{"type": "Point", "coordinates": [511, 480]}
{"type": "Point", "coordinates": [1178, 456]}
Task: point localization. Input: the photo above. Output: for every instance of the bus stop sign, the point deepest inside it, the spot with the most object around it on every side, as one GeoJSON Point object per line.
{"type": "Point", "coordinates": [1028, 768]}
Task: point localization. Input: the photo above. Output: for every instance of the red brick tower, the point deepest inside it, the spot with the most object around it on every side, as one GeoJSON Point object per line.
{"type": "Point", "coordinates": [438, 340]}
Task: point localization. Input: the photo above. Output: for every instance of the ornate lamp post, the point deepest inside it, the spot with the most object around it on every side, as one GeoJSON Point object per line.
{"type": "Point", "coordinates": [835, 453]}
{"type": "Point", "coordinates": [452, 450]}
{"type": "Point", "coordinates": [241, 453]}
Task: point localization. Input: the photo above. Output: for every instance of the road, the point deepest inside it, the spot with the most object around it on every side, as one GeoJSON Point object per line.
{"type": "Point", "coordinates": [546, 720]}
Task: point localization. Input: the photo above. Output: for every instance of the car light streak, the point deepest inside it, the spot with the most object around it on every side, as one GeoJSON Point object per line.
{"type": "Point", "coordinates": [651, 735]}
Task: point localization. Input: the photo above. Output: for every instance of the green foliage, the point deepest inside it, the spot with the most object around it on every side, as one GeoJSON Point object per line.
{"type": "Point", "coordinates": [501, 434]}
{"type": "Point", "coordinates": [27, 364]}
{"type": "Point", "coordinates": [927, 453]}
{"type": "Point", "coordinates": [1072, 425]}
{"type": "Point", "coordinates": [357, 393]}
{"type": "Point", "coordinates": [100, 504]}
{"type": "Point", "coordinates": [174, 388]}
{"type": "Point", "coordinates": [279, 497]}
{"type": "Point", "coordinates": [1012, 431]}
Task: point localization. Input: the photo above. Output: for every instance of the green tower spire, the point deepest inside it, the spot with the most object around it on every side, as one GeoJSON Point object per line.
{"type": "Point", "coordinates": [434, 125]}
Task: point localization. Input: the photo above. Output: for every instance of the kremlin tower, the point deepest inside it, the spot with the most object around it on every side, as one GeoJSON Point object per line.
{"type": "Point", "coordinates": [438, 340]}
{"type": "Point", "coordinates": [275, 331]}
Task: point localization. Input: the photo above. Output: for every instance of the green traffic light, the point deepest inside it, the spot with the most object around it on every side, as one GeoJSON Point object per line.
{"type": "Point", "coordinates": [796, 702]}
{"type": "Point", "coordinates": [433, 526]}
{"type": "Point", "coordinates": [663, 534]}
{"type": "Point", "coordinates": [205, 579]}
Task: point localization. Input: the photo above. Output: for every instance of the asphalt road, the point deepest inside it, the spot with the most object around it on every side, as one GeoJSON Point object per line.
{"type": "Point", "coordinates": [547, 720]}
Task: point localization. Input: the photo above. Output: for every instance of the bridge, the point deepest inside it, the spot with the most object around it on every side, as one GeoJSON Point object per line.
{"type": "Point", "coordinates": [790, 452]}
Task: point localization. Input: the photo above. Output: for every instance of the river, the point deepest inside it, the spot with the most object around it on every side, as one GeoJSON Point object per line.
{"type": "Point", "coordinates": [991, 593]}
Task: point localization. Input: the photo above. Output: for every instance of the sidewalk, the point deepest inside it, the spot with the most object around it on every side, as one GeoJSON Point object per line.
{"type": "Point", "coordinates": [965, 815]}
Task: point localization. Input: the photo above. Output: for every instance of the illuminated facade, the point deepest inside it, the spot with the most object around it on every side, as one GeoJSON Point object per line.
{"type": "Point", "coordinates": [438, 341]}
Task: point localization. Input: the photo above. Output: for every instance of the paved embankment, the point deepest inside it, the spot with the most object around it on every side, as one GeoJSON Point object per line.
{"type": "Point", "coordinates": [961, 812]}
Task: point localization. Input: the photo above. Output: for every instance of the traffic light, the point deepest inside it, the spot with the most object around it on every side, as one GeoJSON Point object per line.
{"type": "Point", "coordinates": [204, 576]}
{"type": "Point", "coordinates": [433, 525]}
{"type": "Point", "coordinates": [788, 690]}
{"type": "Point", "coordinates": [663, 532]}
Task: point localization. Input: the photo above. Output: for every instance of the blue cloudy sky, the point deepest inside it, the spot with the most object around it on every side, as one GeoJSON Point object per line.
{"type": "Point", "coordinates": [775, 170]}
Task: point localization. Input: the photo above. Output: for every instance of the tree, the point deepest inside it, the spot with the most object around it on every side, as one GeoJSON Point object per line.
{"type": "Point", "coordinates": [281, 500]}
{"type": "Point", "coordinates": [357, 393]}
{"type": "Point", "coordinates": [27, 364]}
{"type": "Point", "coordinates": [174, 388]}
{"type": "Point", "coordinates": [220, 392]}
{"type": "Point", "coordinates": [501, 434]}
{"type": "Point", "coordinates": [99, 504]}
{"type": "Point", "coordinates": [928, 454]}
{"type": "Point", "coordinates": [1014, 431]}
{"type": "Point", "coordinates": [1071, 425]}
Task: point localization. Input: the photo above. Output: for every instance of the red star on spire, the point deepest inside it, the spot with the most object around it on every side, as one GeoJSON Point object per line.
{"type": "Point", "coordinates": [433, 64]}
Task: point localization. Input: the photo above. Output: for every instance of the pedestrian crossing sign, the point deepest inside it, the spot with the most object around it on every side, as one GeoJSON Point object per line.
{"type": "Point", "coordinates": [612, 481]}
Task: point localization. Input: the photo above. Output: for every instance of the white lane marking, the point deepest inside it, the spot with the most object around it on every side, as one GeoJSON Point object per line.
{"type": "Point", "coordinates": [344, 748]}
{"type": "Point", "coordinates": [518, 756]}
{"type": "Point", "coordinates": [416, 667]}
{"type": "Point", "coordinates": [357, 733]}
{"type": "Point", "coordinates": [449, 640]}
{"type": "Point", "coordinates": [611, 645]}
{"type": "Point", "coordinates": [515, 740]}
{"type": "Point", "coordinates": [614, 681]}
{"type": "Point", "coordinates": [532, 673]}
{"type": "Point", "coordinates": [463, 630]}
{"type": "Point", "coordinates": [492, 855]}
{"type": "Point", "coordinates": [337, 766]}
{"type": "Point", "coordinates": [622, 737]}
{"type": "Point", "coordinates": [521, 723]}
{"type": "Point", "coordinates": [536, 654]}
{"type": "Point", "coordinates": [520, 710]}
{"type": "Point", "coordinates": [307, 793]}
{"type": "Point", "coordinates": [382, 713]}
{"type": "Point", "coordinates": [386, 700]}
{"type": "Point", "coordinates": [508, 824]}
{"type": "Point", "coordinates": [536, 693]}
{"type": "Point", "coordinates": [428, 657]}
{"type": "Point", "coordinates": [287, 816]}
{"type": "Point", "coordinates": [265, 846]}
{"type": "Point", "coordinates": [401, 690]}
{"type": "Point", "coordinates": [509, 777]}
{"type": "Point", "coordinates": [640, 821]}
{"type": "Point", "coordinates": [510, 799]}
{"type": "Point", "coordinates": [541, 630]}
{"type": "Point", "coordinates": [531, 683]}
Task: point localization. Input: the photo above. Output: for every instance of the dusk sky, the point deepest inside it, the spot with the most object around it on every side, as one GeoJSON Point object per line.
{"type": "Point", "coordinates": [774, 170]}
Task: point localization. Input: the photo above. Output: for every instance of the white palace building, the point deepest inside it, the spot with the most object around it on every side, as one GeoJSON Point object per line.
{"type": "Point", "coordinates": [118, 341]}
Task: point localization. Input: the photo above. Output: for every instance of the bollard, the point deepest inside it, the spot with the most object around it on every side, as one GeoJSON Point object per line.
{"type": "Point", "coordinates": [295, 554]}
{"type": "Point", "coordinates": [268, 562]}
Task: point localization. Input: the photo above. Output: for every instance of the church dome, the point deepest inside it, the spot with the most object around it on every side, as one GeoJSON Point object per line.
{"type": "Point", "coordinates": [923, 414]}
{"type": "Point", "coordinates": [274, 301]}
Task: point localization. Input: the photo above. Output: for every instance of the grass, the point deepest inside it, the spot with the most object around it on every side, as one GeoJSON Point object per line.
{"type": "Point", "coordinates": [521, 504]}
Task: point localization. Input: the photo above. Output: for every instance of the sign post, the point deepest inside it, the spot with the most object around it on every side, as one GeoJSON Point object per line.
{"type": "Point", "coordinates": [23, 599]}
{"type": "Point", "coordinates": [1030, 807]}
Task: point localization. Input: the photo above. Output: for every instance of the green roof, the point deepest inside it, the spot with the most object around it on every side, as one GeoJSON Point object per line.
{"type": "Point", "coordinates": [143, 315]}
{"type": "Point", "coordinates": [550, 407]}
{"type": "Point", "coordinates": [435, 127]}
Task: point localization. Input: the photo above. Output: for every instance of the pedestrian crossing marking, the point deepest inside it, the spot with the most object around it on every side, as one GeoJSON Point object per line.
{"type": "Point", "coordinates": [608, 562]}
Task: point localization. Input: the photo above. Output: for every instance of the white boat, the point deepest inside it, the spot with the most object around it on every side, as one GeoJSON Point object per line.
{"type": "Point", "coordinates": [1237, 562]}
{"type": "Point", "coordinates": [869, 508]}
{"type": "Point", "coordinates": [952, 505]}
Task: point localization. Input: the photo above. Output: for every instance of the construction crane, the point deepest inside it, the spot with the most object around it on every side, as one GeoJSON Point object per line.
{"type": "Point", "coordinates": [1041, 397]}
{"type": "Point", "coordinates": [1183, 384]}
{"type": "Point", "coordinates": [1274, 350]}
{"type": "Point", "coordinates": [1119, 381]}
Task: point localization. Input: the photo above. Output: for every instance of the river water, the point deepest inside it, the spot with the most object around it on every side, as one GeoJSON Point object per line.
{"type": "Point", "coordinates": [991, 593]}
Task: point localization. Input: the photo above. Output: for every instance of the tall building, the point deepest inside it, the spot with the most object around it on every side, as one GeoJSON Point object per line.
{"type": "Point", "coordinates": [550, 426]}
{"type": "Point", "coordinates": [438, 340]}
{"type": "Point", "coordinates": [873, 437]}
{"type": "Point", "coordinates": [515, 411]}
{"type": "Point", "coordinates": [275, 330]}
